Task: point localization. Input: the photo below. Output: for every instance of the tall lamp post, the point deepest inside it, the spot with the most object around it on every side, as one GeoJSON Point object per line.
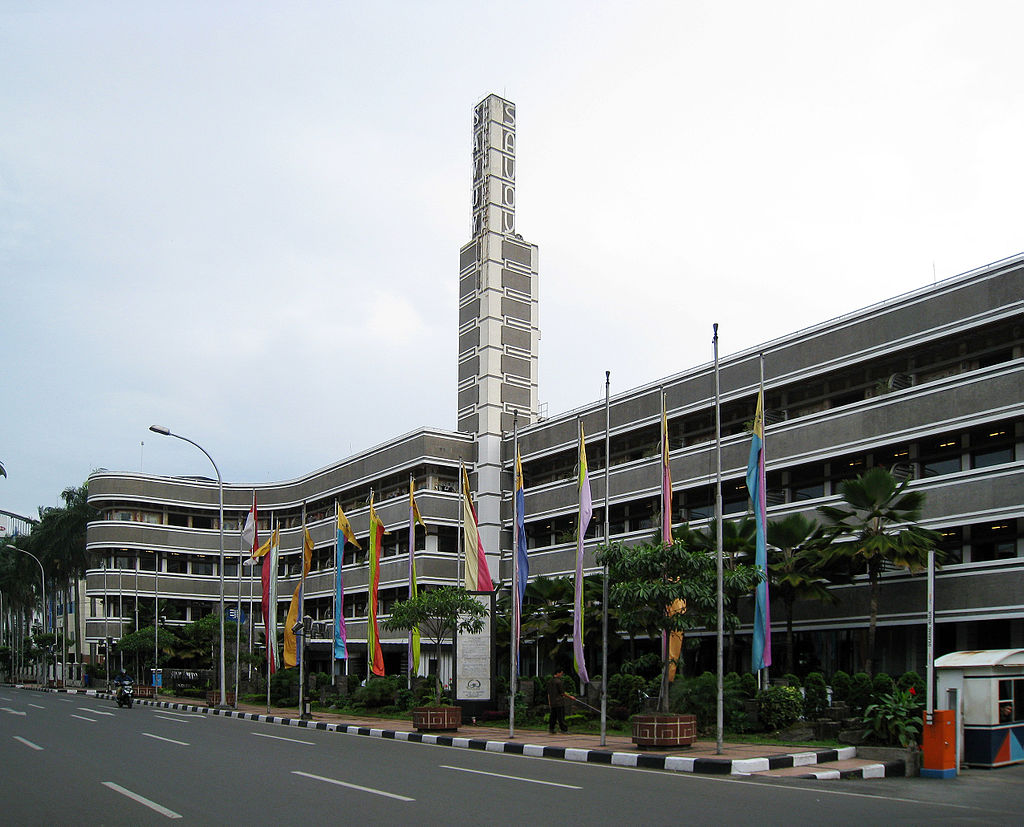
{"type": "Point", "coordinates": [42, 582]}
{"type": "Point", "coordinates": [159, 429]}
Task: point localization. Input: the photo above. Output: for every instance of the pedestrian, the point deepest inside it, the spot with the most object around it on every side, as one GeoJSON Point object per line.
{"type": "Point", "coordinates": [556, 701]}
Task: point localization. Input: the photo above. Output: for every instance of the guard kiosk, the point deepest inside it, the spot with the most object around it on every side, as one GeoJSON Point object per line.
{"type": "Point", "coordinates": [987, 688]}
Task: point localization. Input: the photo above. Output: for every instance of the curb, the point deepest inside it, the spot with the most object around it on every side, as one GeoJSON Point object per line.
{"type": "Point", "coordinates": [648, 761]}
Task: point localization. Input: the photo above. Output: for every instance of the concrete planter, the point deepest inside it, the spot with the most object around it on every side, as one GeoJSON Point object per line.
{"type": "Point", "coordinates": [664, 731]}
{"type": "Point", "coordinates": [213, 698]}
{"type": "Point", "coordinates": [437, 718]}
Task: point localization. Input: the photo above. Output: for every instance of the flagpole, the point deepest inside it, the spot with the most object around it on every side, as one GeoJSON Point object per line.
{"type": "Point", "coordinates": [271, 608]}
{"type": "Point", "coordinates": [369, 597]}
{"type": "Point", "coordinates": [607, 539]}
{"type": "Point", "coordinates": [339, 555]}
{"type": "Point", "coordinates": [238, 612]}
{"type": "Point", "coordinates": [516, 608]}
{"type": "Point", "coordinates": [412, 545]}
{"type": "Point", "coordinates": [300, 636]}
{"type": "Point", "coordinates": [718, 544]}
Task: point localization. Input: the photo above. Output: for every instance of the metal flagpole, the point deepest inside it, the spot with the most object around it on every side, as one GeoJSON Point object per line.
{"type": "Point", "coordinates": [300, 636]}
{"type": "Point", "coordinates": [762, 674]}
{"type": "Point", "coordinates": [412, 547]}
{"type": "Point", "coordinates": [718, 544]}
{"type": "Point", "coordinates": [369, 597]}
{"type": "Point", "coordinates": [339, 555]}
{"type": "Point", "coordinates": [462, 529]}
{"type": "Point", "coordinates": [238, 613]}
{"type": "Point", "coordinates": [516, 608]}
{"type": "Point", "coordinates": [269, 632]}
{"type": "Point", "coordinates": [607, 539]}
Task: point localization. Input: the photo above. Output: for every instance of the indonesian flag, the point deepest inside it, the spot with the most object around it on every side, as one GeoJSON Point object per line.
{"type": "Point", "coordinates": [249, 540]}
{"type": "Point", "coordinates": [478, 576]}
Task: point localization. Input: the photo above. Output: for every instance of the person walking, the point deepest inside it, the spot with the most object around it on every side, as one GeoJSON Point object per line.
{"type": "Point", "coordinates": [556, 701]}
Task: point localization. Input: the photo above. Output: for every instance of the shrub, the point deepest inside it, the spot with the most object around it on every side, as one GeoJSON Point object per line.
{"type": "Point", "coordinates": [895, 718]}
{"type": "Point", "coordinates": [748, 683]}
{"type": "Point", "coordinates": [911, 680]}
{"type": "Point", "coordinates": [860, 693]}
{"type": "Point", "coordinates": [647, 666]}
{"type": "Point", "coordinates": [378, 692]}
{"type": "Point", "coordinates": [815, 695]}
{"type": "Point", "coordinates": [841, 683]}
{"type": "Point", "coordinates": [627, 691]}
{"type": "Point", "coordinates": [284, 687]}
{"type": "Point", "coordinates": [792, 679]}
{"type": "Point", "coordinates": [779, 706]}
{"type": "Point", "coordinates": [881, 684]}
{"type": "Point", "coordinates": [699, 696]}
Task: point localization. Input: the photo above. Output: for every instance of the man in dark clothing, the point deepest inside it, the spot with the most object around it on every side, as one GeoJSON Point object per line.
{"type": "Point", "coordinates": [556, 701]}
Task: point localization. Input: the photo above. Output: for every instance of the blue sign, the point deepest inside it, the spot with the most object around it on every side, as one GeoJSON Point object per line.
{"type": "Point", "coordinates": [234, 614]}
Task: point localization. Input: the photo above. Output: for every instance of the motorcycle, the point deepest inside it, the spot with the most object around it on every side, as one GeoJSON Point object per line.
{"type": "Point", "coordinates": [123, 694]}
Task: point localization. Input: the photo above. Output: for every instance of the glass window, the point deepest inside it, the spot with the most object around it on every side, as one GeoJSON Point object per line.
{"type": "Point", "coordinates": [177, 563]}
{"type": "Point", "coordinates": [202, 565]}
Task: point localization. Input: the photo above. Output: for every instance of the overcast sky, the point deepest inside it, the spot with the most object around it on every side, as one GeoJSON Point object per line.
{"type": "Point", "coordinates": [242, 220]}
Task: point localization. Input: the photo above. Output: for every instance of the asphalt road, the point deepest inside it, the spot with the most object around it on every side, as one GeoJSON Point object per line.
{"type": "Point", "coordinates": [80, 760]}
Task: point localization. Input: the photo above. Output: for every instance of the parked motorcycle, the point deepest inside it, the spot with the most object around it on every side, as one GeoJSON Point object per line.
{"type": "Point", "coordinates": [124, 693]}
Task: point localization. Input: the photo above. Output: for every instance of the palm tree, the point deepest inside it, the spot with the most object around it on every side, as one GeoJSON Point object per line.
{"type": "Point", "coordinates": [878, 525]}
{"type": "Point", "coordinates": [794, 550]}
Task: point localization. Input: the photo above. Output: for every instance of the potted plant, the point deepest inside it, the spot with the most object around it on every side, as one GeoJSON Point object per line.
{"type": "Point", "coordinates": [646, 579]}
{"type": "Point", "coordinates": [438, 612]}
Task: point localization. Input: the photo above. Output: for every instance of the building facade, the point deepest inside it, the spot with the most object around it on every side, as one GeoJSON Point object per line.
{"type": "Point", "coordinates": [930, 384]}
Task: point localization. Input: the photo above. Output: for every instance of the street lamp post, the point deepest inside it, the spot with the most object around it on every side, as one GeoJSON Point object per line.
{"type": "Point", "coordinates": [159, 429]}
{"type": "Point", "coordinates": [42, 582]}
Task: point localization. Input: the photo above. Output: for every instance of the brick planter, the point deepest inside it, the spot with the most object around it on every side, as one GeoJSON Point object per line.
{"type": "Point", "coordinates": [437, 718]}
{"type": "Point", "coordinates": [213, 698]}
{"type": "Point", "coordinates": [664, 731]}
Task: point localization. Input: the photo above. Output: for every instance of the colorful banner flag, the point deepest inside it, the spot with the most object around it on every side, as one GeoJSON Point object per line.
{"type": "Point", "coordinates": [675, 639]}
{"type": "Point", "coordinates": [345, 534]}
{"type": "Point", "coordinates": [269, 551]}
{"type": "Point", "coordinates": [374, 653]}
{"type": "Point", "coordinates": [478, 575]}
{"type": "Point", "coordinates": [585, 513]}
{"type": "Point", "coordinates": [296, 607]}
{"type": "Point", "coordinates": [413, 655]}
{"type": "Point", "coordinates": [249, 539]}
{"type": "Point", "coordinates": [522, 559]}
{"type": "Point", "coordinates": [761, 655]}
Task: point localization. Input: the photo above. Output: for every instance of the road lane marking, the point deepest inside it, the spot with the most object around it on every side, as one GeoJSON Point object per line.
{"type": "Point", "coordinates": [179, 714]}
{"type": "Point", "coordinates": [5, 698]}
{"type": "Point", "coordinates": [65, 700]}
{"type": "Point", "coordinates": [352, 786]}
{"type": "Point", "coordinates": [117, 788]}
{"type": "Point", "coordinates": [176, 720]}
{"type": "Point", "coordinates": [280, 738]}
{"type": "Point", "coordinates": [168, 740]}
{"type": "Point", "coordinates": [82, 717]}
{"type": "Point", "coordinates": [26, 742]}
{"type": "Point", "coordinates": [10, 711]}
{"type": "Point", "coordinates": [95, 711]}
{"type": "Point", "coordinates": [37, 706]}
{"type": "Point", "coordinates": [511, 777]}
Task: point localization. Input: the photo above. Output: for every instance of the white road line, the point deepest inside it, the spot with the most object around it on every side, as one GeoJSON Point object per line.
{"type": "Point", "coordinates": [179, 714]}
{"type": "Point", "coordinates": [168, 740]}
{"type": "Point", "coordinates": [117, 788]}
{"type": "Point", "coordinates": [352, 786]}
{"type": "Point", "coordinates": [26, 742]}
{"type": "Point", "coordinates": [511, 777]}
{"type": "Point", "coordinates": [83, 718]}
{"type": "Point", "coordinates": [176, 720]}
{"type": "Point", "coordinates": [37, 706]}
{"type": "Point", "coordinates": [65, 700]}
{"type": "Point", "coordinates": [5, 698]}
{"type": "Point", "coordinates": [95, 711]}
{"type": "Point", "coordinates": [280, 738]}
{"type": "Point", "coordinates": [10, 711]}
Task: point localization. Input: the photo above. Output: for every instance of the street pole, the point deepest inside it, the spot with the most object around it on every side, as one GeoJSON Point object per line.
{"type": "Point", "coordinates": [159, 429]}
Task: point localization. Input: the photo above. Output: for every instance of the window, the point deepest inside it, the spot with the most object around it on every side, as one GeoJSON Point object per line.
{"type": "Point", "coordinates": [1010, 704]}
{"type": "Point", "coordinates": [177, 563]}
{"type": "Point", "coordinates": [993, 541]}
{"type": "Point", "coordinates": [202, 565]}
{"type": "Point", "coordinates": [992, 445]}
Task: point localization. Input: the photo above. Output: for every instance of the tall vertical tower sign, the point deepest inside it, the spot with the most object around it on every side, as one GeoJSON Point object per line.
{"type": "Point", "coordinates": [498, 329]}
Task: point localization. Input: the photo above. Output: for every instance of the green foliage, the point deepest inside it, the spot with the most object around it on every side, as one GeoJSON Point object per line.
{"type": "Point", "coordinates": [699, 696]}
{"type": "Point", "coordinates": [881, 684]}
{"type": "Point", "coordinates": [748, 683]}
{"type": "Point", "coordinates": [860, 693]}
{"type": "Point", "coordinates": [895, 718]}
{"type": "Point", "coordinates": [626, 692]}
{"type": "Point", "coordinates": [779, 706]}
{"type": "Point", "coordinates": [791, 679]}
{"type": "Point", "coordinates": [841, 683]}
{"type": "Point", "coordinates": [815, 695]}
{"type": "Point", "coordinates": [284, 687]}
{"type": "Point", "coordinates": [911, 680]}
{"type": "Point", "coordinates": [647, 665]}
{"type": "Point", "coordinates": [378, 692]}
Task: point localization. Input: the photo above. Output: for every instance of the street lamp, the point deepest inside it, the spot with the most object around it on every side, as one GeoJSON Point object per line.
{"type": "Point", "coordinates": [42, 581]}
{"type": "Point", "coordinates": [160, 429]}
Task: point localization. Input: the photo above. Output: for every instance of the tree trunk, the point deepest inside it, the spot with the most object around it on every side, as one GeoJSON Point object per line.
{"type": "Point", "coordinates": [869, 665]}
{"type": "Point", "coordinates": [789, 637]}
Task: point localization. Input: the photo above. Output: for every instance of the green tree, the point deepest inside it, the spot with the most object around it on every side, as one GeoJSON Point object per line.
{"type": "Point", "coordinates": [877, 525]}
{"type": "Point", "coordinates": [794, 551]}
{"type": "Point", "coordinates": [438, 613]}
{"type": "Point", "coordinates": [647, 578]}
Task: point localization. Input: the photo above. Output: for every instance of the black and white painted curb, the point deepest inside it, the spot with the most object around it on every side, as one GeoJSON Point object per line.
{"type": "Point", "coordinates": [650, 761]}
